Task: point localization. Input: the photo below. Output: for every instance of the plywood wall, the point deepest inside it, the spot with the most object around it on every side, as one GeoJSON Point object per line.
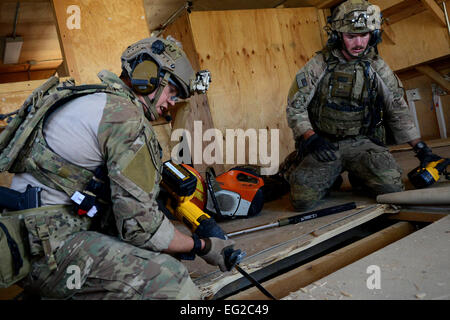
{"type": "Point", "coordinates": [253, 56]}
{"type": "Point", "coordinates": [106, 29]}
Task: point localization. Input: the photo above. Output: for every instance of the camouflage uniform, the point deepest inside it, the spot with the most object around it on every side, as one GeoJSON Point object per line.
{"type": "Point", "coordinates": [340, 101]}
{"type": "Point", "coordinates": [128, 265]}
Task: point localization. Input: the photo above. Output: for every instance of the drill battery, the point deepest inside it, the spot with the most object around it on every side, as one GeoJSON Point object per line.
{"type": "Point", "coordinates": [178, 179]}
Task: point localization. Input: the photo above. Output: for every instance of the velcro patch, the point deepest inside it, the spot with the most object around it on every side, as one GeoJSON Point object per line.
{"type": "Point", "coordinates": [301, 80]}
{"type": "Point", "coordinates": [141, 170]}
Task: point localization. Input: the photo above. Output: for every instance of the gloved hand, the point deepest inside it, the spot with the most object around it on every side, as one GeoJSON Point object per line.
{"type": "Point", "coordinates": [321, 149]}
{"type": "Point", "coordinates": [424, 154]}
{"type": "Point", "coordinates": [213, 252]}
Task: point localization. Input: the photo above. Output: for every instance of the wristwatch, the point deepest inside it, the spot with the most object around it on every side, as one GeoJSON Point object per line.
{"type": "Point", "coordinates": [419, 146]}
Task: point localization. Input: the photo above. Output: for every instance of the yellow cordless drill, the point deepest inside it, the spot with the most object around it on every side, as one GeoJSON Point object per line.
{"type": "Point", "coordinates": [422, 177]}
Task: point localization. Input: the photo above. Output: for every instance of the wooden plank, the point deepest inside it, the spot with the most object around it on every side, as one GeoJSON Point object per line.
{"type": "Point", "coordinates": [301, 237]}
{"type": "Point", "coordinates": [435, 76]}
{"type": "Point", "coordinates": [298, 278]}
{"type": "Point", "coordinates": [431, 143]}
{"type": "Point", "coordinates": [413, 268]}
{"type": "Point", "coordinates": [403, 10]}
{"type": "Point", "coordinates": [436, 10]}
{"type": "Point", "coordinates": [327, 3]}
{"type": "Point", "coordinates": [25, 76]}
{"type": "Point", "coordinates": [384, 4]}
{"type": "Point", "coordinates": [417, 216]}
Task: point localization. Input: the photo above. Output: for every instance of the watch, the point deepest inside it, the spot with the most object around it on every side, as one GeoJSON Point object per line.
{"type": "Point", "coordinates": [419, 146]}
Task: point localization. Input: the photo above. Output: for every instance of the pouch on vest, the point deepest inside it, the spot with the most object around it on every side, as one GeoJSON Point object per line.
{"type": "Point", "coordinates": [19, 129]}
{"type": "Point", "coordinates": [14, 262]}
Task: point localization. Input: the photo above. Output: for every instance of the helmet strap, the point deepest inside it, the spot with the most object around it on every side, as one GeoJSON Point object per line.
{"type": "Point", "coordinates": [151, 112]}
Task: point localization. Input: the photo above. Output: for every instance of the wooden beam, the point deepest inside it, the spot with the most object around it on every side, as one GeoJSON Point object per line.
{"type": "Point", "coordinates": [417, 216]}
{"type": "Point", "coordinates": [328, 3]}
{"type": "Point", "coordinates": [402, 10]}
{"type": "Point", "coordinates": [436, 10]}
{"type": "Point", "coordinates": [434, 75]}
{"type": "Point", "coordinates": [298, 278]}
{"type": "Point", "coordinates": [389, 33]}
{"type": "Point", "coordinates": [431, 143]}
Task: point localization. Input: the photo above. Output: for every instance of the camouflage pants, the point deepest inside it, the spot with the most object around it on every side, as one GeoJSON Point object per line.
{"type": "Point", "coordinates": [371, 168]}
{"type": "Point", "coordinates": [110, 269]}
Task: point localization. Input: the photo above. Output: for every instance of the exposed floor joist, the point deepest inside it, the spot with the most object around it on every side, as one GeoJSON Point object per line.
{"type": "Point", "coordinates": [415, 267]}
{"type": "Point", "coordinates": [298, 278]}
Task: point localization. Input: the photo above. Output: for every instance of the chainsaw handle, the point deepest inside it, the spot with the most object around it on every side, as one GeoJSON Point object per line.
{"type": "Point", "coordinates": [211, 192]}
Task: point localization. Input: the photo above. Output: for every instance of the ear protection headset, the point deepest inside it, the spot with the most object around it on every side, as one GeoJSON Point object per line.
{"type": "Point", "coordinates": [145, 77]}
{"type": "Point", "coordinates": [145, 72]}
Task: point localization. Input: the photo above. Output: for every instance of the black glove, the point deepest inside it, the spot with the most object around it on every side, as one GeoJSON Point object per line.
{"type": "Point", "coordinates": [424, 154]}
{"type": "Point", "coordinates": [321, 149]}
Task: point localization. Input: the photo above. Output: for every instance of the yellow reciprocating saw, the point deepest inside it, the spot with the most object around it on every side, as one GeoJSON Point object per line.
{"type": "Point", "coordinates": [180, 184]}
{"type": "Point", "coordinates": [422, 177]}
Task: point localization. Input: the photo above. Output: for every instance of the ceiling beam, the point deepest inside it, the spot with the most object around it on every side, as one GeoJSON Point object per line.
{"type": "Point", "coordinates": [435, 76]}
{"type": "Point", "coordinates": [436, 10]}
{"type": "Point", "coordinates": [389, 33]}
{"type": "Point", "coordinates": [327, 3]}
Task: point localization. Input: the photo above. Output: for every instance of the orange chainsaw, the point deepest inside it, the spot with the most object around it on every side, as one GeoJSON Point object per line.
{"type": "Point", "coordinates": [239, 192]}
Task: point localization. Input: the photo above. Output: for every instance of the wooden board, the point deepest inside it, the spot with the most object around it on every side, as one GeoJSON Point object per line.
{"type": "Point", "coordinates": [267, 247]}
{"type": "Point", "coordinates": [106, 29]}
{"type": "Point", "coordinates": [413, 268]}
{"type": "Point", "coordinates": [308, 273]}
{"type": "Point", "coordinates": [253, 56]}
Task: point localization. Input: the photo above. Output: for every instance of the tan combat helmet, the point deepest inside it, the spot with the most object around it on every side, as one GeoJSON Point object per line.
{"type": "Point", "coordinates": [356, 16]}
{"type": "Point", "coordinates": [153, 62]}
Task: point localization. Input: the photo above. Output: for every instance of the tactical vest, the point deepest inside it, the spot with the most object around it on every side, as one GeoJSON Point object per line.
{"type": "Point", "coordinates": [28, 151]}
{"type": "Point", "coordinates": [345, 103]}
{"type": "Point", "coordinates": [24, 149]}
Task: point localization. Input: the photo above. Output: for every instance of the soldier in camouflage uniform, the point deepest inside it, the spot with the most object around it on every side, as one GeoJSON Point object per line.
{"type": "Point", "coordinates": [109, 128]}
{"type": "Point", "coordinates": [340, 106]}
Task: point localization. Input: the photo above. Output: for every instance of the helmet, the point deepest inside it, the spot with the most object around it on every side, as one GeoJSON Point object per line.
{"type": "Point", "coordinates": [149, 60]}
{"type": "Point", "coordinates": [356, 16]}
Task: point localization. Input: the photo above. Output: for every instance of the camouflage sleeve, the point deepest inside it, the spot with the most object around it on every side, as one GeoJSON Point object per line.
{"type": "Point", "coordinates": [301, 93]}
{"type": "Point", "coordinates": [397, 114]}
{"type": "Point", "coordinates": [131, 153]}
